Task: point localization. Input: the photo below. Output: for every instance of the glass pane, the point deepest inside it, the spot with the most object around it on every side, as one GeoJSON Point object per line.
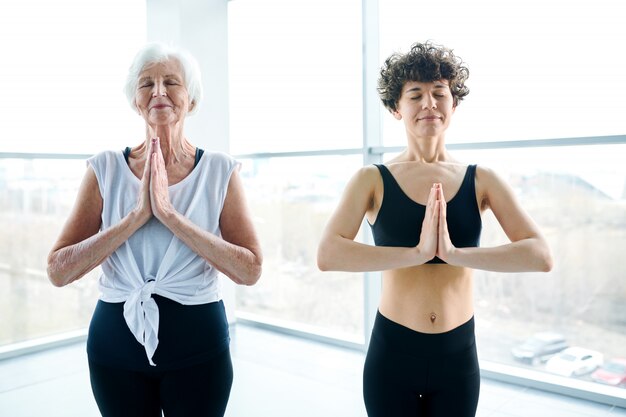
{"type": "Point", "coordinates": [538, 68]}
{"type": "Point", "coordinates": [577, 195]}
{"type": "Point", "coordinates": [295, 75]}
{"type": "Point", "coordinates": [34, 204]}
{"type": "Point", "coordinates": [291, 200]}
{"type": "Point", "coordinates": [64, 66]}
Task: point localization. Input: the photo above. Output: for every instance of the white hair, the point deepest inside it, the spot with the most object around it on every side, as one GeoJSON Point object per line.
{"type": "Point", "coordinates": [155, 52]}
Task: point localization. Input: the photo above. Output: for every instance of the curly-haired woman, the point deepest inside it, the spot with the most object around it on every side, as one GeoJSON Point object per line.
{"type": "Point", "coordinates": [424, 208]}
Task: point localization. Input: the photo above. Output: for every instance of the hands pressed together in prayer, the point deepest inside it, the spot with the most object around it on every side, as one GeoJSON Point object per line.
{"type": "Point", "coordinates": [434, 238]}
{"type": "Point", "coordinates": [154, 197]}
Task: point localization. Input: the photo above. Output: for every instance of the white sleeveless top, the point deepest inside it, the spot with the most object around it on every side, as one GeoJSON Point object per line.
{"type": "Point", "coordinates": [153, 260]}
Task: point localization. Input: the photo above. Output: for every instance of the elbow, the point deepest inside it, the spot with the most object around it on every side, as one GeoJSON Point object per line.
{"type": "Point", "coordinates": [547, 263]}
{"type": "Point", "coordinates": [56, 275]}
{"type": "Point", "coordinates": [322, 263]}
{"type": "Point", "coordinates": [57, 282]}
{"type": "Point", "coordinates": [57, 279]}
{"type": "Point", "coordinates": [254, 277]}
{"type": "Point", "coordinates": [324, 260]}
{"type": "Point", "coordinates": [255, 272]}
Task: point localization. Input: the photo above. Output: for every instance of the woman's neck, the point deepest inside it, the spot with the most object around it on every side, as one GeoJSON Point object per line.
{"type": "Point", "coordinates": [426, 149]}
{"type": "Point", "coordinates": [174, 145]}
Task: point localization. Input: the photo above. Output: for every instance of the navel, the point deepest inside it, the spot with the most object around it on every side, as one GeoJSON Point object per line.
{"type": "Point", "coordinates": [433, 317]}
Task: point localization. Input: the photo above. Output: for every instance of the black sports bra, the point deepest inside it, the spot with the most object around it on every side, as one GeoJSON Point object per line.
{"type": "Point", "coordinates": [399, 220]}
{"type": "Point", "coordinates": [199, 153]}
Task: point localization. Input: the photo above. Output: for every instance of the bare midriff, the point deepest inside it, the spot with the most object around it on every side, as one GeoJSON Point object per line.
{"type": "Point", "coordinates": [430, 298]}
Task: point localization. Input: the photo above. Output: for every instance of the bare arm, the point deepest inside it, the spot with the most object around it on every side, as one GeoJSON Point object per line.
{"type": "Point", "coordinates": [528, 250]}
{"type": "Point", "coordinates": [80, 247]}
{"type": "Point", "coordinates": [237, 253]}
{"type": "Point", "coordinates": [337, 249]}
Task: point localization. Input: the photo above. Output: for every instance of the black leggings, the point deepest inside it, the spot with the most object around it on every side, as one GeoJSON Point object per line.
{"type": "Point", "coordinates": [197, 391]}
{"type": "Point", "coordinates": [408, 373]}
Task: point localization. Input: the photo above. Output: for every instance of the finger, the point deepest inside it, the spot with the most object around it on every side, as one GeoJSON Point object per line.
{"type": "Point", "coordinates": [154, 178]}
{"type": "Point", "coordinates": [440, 196]}
{"type": "Point", "coordinates": [442, 217]}
{"type": "Point", "coordinates": [154, 164]}
{"type": "Point", "coordinates": [432, 198]}
{"type": "Point", "coordinates": [152, 145]}
{"type": "Point", "coordinates": [156, 143]}
{"type": "Point", "coordinates": [146, 167]}
{"type": "Point", "coordinates": [435, 215]}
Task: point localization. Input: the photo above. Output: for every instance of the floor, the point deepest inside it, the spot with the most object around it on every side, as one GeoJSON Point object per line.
{"type": "Point", "coordinates": [271, 379]}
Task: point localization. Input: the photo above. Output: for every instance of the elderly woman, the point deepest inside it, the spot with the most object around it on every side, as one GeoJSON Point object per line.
{"type": "Point", "coordinates": [424, 208]}
{"type": "Point", "coordinates": [162, 219]}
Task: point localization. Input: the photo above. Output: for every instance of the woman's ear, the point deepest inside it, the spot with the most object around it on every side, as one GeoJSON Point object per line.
{"type": "Point", "coordinates": [192, 105]}
{"type": "Point", "coordinates": [396, 114]}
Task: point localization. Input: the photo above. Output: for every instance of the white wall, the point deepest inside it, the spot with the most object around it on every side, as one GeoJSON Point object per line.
{"type": "Point", "coordinates": [201, 27]}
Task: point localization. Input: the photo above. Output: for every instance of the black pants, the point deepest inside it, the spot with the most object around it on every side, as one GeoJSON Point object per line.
{"type": "Point", "coordinates": [408, 373]}
{"type": "Point", "coordinates": [197, 391]}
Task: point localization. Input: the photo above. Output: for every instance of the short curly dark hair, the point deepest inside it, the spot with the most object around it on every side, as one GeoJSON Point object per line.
{"type": "Point", "coordinates": [425, 62]}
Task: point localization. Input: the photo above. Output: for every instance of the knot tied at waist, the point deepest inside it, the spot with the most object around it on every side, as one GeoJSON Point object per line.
{"type": "Point", "coordinates": [142, 317]}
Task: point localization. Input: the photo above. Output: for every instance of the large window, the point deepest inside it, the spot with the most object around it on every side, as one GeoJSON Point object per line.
{"type": "Point", "coordinates": [63, 67]}
{"type": "Point", "coordinates": [296, 85]}
{"type": "Point", "coordinates": [577, 195]}
{"type": "Point", "coordinates": [295, 75]}
{"type": "Point", "coordinates": [538, 68]}
{"type": "Point", "coordinates": [33, 207]}
{"type": "Point", "coordinates": [292, 199]}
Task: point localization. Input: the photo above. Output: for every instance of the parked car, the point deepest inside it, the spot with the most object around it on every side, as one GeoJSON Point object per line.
{"type": "Point", "coordinates": [574, 361]}
{"type": "Point", "coordinates": [612, 372]}
{"type": "Point", "coordinates": [539, 348]}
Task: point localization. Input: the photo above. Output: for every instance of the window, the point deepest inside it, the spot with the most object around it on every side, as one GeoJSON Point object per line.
{"type": "Point", "coordinates": [291, 200]}
{"type": "Point", "coordinates": [65, 63]}
{"type": "Point", "coordinates": [295, 86]}
{"type": "Point", "coordinates": [34, 206]}
{"type": "Point", "coordinates": [538, 69]}
{"type": "Point", "coordinates": [577, 196]}
{"type": "Point", "coordinates": [295, 75]}
{"type": "Point", "coordinates": [64, 70]}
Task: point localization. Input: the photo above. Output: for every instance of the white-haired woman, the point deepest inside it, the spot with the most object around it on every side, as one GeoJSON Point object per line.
{"type": "Point", "coordinates": [162, 218]}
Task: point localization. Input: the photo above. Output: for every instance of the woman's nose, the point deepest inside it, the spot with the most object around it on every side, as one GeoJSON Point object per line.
{"type": "Point", "coordinates": [429, 102]}
{"type": "Point", "coordinates": [159, 90]}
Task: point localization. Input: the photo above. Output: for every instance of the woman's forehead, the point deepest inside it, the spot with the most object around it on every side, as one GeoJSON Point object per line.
{"type": "Point", "coordinates": [420, 85]}
{"type": "Point", "coordinates": [171, 67]}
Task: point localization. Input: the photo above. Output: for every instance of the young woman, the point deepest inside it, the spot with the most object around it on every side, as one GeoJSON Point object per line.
{"type": "Point", "coordinates": [424, 208]}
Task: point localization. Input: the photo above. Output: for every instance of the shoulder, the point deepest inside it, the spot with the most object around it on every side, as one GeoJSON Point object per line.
{"type": "Point", "coordinates": [108, 154]}
{"type": "Point", "coordinates": [105, 163]}
{"type": "Point", "coordinates": [216, 159]}
{"type": "Point", "coordinates": [218, 166]}
{"type": "Point", "coordinates": [364, 185]}
{"type": "Point", "coordinates": [491, 186]}
{"type": "Point", "coordinates": [368, 175]}
{"type": "Point", "coordinates": [104, 157]}
{"type": "Point", "coordinates": [487, 176]}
